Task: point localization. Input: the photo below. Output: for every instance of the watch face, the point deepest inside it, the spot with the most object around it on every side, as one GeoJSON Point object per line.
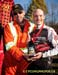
{"type": "Point", "coordinates": [31, 50]}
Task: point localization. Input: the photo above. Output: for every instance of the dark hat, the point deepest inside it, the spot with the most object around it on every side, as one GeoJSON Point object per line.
{"type": "Point", "coordinates": [17, 8]}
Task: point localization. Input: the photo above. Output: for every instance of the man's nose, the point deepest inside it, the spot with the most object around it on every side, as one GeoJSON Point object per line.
{"type": "Point", "coordinates": [38, 17]}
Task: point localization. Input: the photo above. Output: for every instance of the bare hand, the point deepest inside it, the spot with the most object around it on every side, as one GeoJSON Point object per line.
{"type": "Point", "coordinates": [37, 56]}
{"type": "Point", "coordinates": [33, 57]}
{"type": "Point", "coordinates": [28, 57]}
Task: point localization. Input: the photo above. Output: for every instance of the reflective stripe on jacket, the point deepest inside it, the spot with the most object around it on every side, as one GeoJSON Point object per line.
{"type": "Point", "coordinates": [15, 38]}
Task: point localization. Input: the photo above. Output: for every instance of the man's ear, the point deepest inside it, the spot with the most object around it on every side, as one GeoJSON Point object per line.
{"type": "Point", "coordinates": [43, 16]}
{"type": "Point", "coordinates": [24, 12]}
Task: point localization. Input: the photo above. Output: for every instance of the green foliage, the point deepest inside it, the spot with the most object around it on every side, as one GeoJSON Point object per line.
{"type": "Point", "coordinates": [36, 4]}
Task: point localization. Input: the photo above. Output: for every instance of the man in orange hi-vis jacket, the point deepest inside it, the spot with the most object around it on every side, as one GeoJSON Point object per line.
{"type": "Point", "coordinates": [16, 39]}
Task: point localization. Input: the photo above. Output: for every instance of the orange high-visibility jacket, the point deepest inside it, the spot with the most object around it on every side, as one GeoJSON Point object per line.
{"type": "Point", "coordinates": [15, 40]}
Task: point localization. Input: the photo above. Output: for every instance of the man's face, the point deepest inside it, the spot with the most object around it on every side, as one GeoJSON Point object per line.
{"type": "Point", "coordinates": [20, 16]}
{"type": "Point", "coordinates": [38, 16]}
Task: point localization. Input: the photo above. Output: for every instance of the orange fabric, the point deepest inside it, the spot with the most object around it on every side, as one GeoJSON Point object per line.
{"type": "Point", "coordinates": [7, 34]}
{"type": "Point", "coordinates": [13, 67]}
{"type": "Point", "coordinates": [22, 37]}
{"type": "Point", "coordinates": [14, 56]}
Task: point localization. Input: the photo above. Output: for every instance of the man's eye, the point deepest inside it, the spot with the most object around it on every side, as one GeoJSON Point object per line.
{"type": "Point", "coordinates": [36, 16]}
{"type": "Point", "coordinates": [40, 15]}
{"type": "Point", "coordinates": [20, 12]}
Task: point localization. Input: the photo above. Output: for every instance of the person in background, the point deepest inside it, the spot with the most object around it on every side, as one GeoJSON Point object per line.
{"type": "Point", "coordinates": [42, 57]}
{"type": "Point", "coordinates": [1, 48]}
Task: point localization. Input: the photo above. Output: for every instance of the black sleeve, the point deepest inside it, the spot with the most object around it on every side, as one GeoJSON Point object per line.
{"type": "Point", "coordinates": [1, 31]}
